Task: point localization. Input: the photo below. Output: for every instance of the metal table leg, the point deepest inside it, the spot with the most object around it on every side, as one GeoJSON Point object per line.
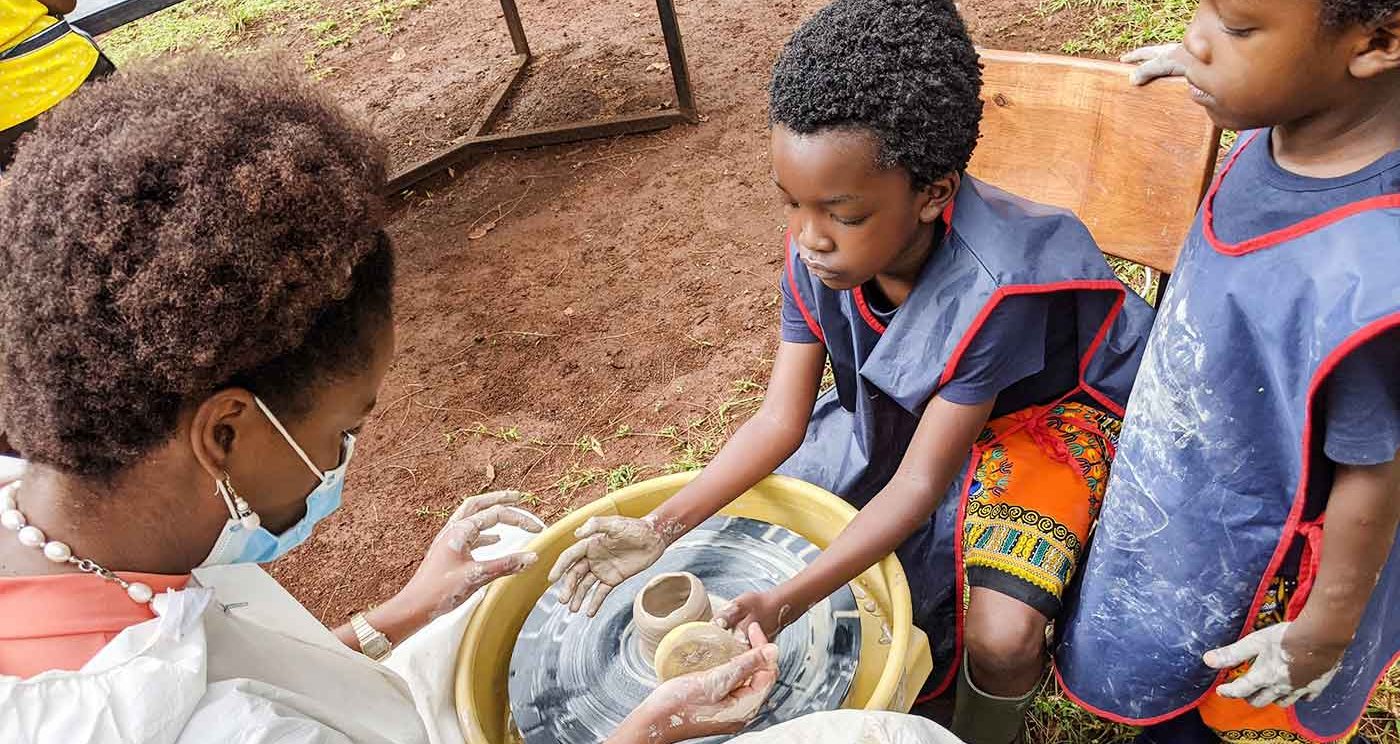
{"type": "Point", "coordinates": [475, 142]}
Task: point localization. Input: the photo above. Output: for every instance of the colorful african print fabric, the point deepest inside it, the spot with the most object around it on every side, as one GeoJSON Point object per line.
{"type": "Point", "coordinates": [1037, 490]}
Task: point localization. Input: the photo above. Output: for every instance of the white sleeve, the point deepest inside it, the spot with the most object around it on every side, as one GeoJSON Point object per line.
{"type": "Point", "coordinates": [846, 726]}
{"type": "Point", "coordinates": [238, 712]}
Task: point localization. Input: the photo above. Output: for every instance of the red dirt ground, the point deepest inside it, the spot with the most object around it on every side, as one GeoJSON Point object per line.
{"type": "Point", "coordinates": [623, 283]}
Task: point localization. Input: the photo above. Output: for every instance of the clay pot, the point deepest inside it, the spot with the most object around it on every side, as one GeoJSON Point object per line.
{"type": "Point", "coordinates": [665, 603]}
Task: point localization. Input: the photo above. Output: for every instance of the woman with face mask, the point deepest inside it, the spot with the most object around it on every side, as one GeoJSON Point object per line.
{"type": "Point", "coordinates": [196, 315]}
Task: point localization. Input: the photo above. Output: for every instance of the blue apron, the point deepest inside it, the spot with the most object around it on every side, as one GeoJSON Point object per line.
{"type": "Point", "coordinates": [1210, 488]}
{"type": "Point", "coordinates": [998, 246]}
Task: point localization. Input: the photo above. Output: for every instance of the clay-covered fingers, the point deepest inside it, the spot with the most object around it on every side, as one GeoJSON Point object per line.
{"type": "Point", "coordinates": [503, 514]}
{"type": "Point", "coordinates": [605, 526]}
{"type": "Point", "coordinates": [571, 569]}
{"type": "Point", "coordinates": [1251, 686]}
{"type": "Point", "coordinates": [1143, 54]}
{"type": "Point", "coordinates": [626, 533]}
{"type": "Point", "coordinates": [738, 617]}
{"type": "Point", "coordinates": [600, 593]}
{"type": "Point", "coordinates": [588, 594]}
{"type": "Point", "coordinates": [508, 565]}
{"type": "Point", "coordinates": [1254, 685]}
{"type": "Point", "coordinates": [474, 504]}
{"type": "Point", "coordinates": [581, 592]}
{"type": "Point", "coordinates": [742, 671]}
{"type": "Point", "coordinates": [756, 637]}
{"type": "Point", "coordinates": [1237, 653]}
{"type": "Point", "coordinates": [460, 535]}
{"type": "Point", "coordinates": [572, 557]}
{"type": "Point", "coordinates": [477, 574]}
{"type": "Point", "coordinates": [1162, 60]}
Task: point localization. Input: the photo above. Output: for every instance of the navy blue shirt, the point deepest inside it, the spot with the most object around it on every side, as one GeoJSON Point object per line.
{"type": "Point", "coordinates": [1018, 356]}
{"type": "Point", "coordinates": [1362, 397]}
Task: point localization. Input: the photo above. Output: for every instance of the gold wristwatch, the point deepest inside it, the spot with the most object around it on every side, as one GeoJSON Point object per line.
{"type": "Point", "coordinates": [373, 644]}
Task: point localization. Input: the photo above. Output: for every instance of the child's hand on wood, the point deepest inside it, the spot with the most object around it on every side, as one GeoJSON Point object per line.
{"type": "Point", "coordinates": [1285, 666]}
{"type": "Point", "coordinates": [1162, 60]}
{"type": "Point", "coordinates": [610, 550]}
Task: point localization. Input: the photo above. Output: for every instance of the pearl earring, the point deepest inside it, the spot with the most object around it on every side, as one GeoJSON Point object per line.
{"type": "Point", "coordinates": [237, 507]}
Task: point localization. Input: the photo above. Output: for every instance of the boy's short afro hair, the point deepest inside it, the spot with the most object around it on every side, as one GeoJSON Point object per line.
{"type": "Point", "coordinates": [1338, 13]}
{"type": "Point", "coordinates": [904, 70]}
{"type": "Point", "coordinates": [174, 230]}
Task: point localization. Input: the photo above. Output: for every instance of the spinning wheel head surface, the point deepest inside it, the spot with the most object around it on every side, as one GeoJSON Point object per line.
{"type": "Point", "coordinates": [573, 679]}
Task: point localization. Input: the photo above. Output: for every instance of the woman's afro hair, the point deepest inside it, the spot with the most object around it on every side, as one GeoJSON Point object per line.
{"type": "Point", "coordinates": [903, 70]}
{"type": "Point", "coordinates": [168, 231]}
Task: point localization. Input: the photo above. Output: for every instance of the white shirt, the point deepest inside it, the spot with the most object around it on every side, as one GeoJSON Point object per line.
{"type": "Point", "coordinates": [235, 658]}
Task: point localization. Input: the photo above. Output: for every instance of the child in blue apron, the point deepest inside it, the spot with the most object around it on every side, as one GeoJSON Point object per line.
{"type": "Point", "coordinates": [981, 348]}
{"type": "Point", "coordinates": [1243, 583]}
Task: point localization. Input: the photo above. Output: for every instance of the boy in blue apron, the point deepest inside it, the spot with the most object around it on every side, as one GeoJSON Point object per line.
{"type": "Point", "coordinates": [981, 346]}
{"type": "Point", "coordinates": [1243, 583]}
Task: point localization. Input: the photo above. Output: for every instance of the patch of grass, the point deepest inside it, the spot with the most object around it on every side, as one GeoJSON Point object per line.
{"type": "Point", "coordinates": [577, 478]}
{"type": "Point", "coordinates": [623, 476]}
{"type": "Point", "coordinates": [237, 26]}
{"type": "Point", "coordinates": [424, 512]}
{"type": "Point", "coordinates": [386, 14]}
{"type": "Point", "coordinates": [586, 444]}
{"type": "Point", "coordinates": [1121, 25]}
{"type": "Point", "coordinates": [699, 440]}
{"type": "Point", "coordinates": [1055, 718]}
{"type": "Point", "coordinates": [215, 25]}
{"type": "Point", "coordinates": [507, 434]}
{"type": "Point", "coordinates": [1137, 276]}
{"type": "Point", "coordinates": [1382, 720]}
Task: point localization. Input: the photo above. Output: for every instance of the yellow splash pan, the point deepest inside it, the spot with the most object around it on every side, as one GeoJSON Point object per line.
{"type": "Point", "coordinates": [894, 655]}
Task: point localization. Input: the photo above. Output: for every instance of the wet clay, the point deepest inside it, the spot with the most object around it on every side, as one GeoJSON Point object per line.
{"type": "Point", "coordinates": [695, 647]}
{"type": "Point", "coordinates": [667, 602]}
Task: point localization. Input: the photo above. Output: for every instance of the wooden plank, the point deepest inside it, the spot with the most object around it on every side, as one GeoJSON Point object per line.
{"type": "Point", "coordinates": [1132, 162]}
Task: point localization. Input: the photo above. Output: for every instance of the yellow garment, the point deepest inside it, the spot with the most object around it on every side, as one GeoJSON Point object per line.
{"type": "Point", "coordinates": [34, 83]}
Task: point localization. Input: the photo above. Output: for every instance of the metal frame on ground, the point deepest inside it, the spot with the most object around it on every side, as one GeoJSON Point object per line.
{"type": "Point", "coordinates": [477, 142]}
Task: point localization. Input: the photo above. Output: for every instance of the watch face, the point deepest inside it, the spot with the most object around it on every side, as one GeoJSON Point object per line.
{"type": "Point", "coordinates": [377, 647]}
{"type": "Point", "coordinates": [373, 643]}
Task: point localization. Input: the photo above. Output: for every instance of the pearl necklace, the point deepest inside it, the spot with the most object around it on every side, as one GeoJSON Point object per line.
{"type": "Point", "coordinates": [59, 552]}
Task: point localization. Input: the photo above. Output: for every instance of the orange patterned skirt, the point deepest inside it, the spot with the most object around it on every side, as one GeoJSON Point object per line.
{"type": "Point", "coordinates": [1039, 483]}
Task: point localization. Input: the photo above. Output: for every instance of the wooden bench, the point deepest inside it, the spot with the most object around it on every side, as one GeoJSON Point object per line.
{"type": "Point", "coordinates": [1132, 162]}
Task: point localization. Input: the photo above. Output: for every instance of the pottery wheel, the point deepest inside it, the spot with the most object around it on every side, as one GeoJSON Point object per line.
{"type": "Point", "coordinates": [573, 679]}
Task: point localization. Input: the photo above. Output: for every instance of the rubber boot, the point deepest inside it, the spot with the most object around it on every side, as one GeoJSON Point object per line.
{"type": "Point", "coordinates": [982, 718]}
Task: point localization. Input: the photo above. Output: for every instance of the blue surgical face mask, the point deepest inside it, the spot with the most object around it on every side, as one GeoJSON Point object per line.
{"type": "Point", "coordinates": [239, 544]}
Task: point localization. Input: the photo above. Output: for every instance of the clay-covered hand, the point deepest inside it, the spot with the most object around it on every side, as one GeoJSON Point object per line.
{"type": "Point", "coordinates": [1159, 61]}
{"type": "Point", "coordinates": [448, 574]}
{"type": "Point", "coordinates": [1284, 668]}
{"type": "Point", "coordinates": [718, 701]}
{"type": "Point", "coordinates": [609, 551]}
{"type": "Point", "coordinates": [768, 610]}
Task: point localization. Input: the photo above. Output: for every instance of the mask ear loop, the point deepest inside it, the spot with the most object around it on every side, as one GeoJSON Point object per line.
{"type": "Point", "coordinates": [320, 476]}
{"type": "Point", "coordinates": [237, 507]}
